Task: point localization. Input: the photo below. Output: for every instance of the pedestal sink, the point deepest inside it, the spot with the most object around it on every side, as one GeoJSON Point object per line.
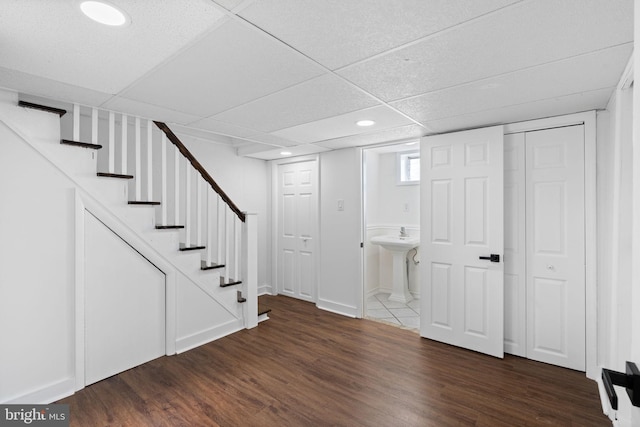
{"type": "Point", "coordinates": [398, 246]}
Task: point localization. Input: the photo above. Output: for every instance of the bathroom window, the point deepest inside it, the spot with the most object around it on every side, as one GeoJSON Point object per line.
{"type": "Point", "coordinates": [408, 168]}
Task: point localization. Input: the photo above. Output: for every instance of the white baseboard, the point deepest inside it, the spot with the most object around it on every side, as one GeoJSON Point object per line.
{"type": "Point", "coordinates": [208, 335]}
{"type": "Point", "coordinates": [265, 289]}
{"type": "Point", "coordinates": [338, 308]}
{"type": "Point", "coordinates": [48, 394]}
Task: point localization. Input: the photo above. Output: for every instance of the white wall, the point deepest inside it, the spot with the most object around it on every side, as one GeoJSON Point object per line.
{"type": "Point", "coordinates": [340, 232]}
{"type": "Point", "coordinates": [248, 183]}
{"type": "Point", "coordinates": [36, 270]}
{"type": "Point", "coordinates": [615, 256]}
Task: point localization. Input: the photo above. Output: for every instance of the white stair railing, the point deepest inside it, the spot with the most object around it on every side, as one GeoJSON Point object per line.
{"type": "Point", "coordinates": [225, 231]}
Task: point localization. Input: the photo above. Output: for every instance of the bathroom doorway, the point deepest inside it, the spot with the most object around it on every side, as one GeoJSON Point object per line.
{"type": "Point", "coordinates": [391, 207]}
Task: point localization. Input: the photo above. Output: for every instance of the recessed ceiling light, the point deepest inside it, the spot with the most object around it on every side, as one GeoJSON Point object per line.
{"type": "Point", "coordinates": [365, 123]}
{"type": "Point", "coordinates": [285, 153]}
{"type": "Point", "coordinates": [103, 13]}
{"type": "Point", "coordinates": [411, 143]}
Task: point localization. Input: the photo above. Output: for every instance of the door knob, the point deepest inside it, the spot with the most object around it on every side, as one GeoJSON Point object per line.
{"type": "Point", "coordinates": [492, 257]}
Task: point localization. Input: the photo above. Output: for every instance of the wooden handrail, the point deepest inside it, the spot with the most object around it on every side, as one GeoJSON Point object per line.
{"type": "Point", "coordinates": [205, 175]}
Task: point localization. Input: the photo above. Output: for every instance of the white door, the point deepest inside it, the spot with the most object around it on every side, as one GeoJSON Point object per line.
{"type": "Point", "coordinates": [297, 228]}
{"type": "Point", "coordinates": [124, 305]}
{"type": "Point", "coordinates": [515, 249]}
{"type": "Point", "coordinates": [555, 246]}
{"type": "Point", "coordinates": [462, 221]}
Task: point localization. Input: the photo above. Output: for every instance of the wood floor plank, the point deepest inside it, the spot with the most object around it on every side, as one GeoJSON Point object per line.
{"type": "Point", "coordinates": [308, 367]}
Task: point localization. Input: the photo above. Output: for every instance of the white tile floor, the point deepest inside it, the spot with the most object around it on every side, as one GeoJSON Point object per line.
{"type": "Point", "coordinates": [380, 308]}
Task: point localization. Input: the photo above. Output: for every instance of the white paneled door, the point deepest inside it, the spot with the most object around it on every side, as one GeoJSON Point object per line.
{"type": "Point", "coordinates": [297, 229]}
{"type": "Point", "coordinates": [461, 238]}
{"type": "Point", "coordinates": [555, 246]}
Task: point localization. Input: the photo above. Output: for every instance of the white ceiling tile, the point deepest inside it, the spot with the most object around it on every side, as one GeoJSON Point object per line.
{"type": "Point", "coordinates": [337, 33]}
{"type": "Point", "coordinates": [221, 127]}
{"type": "Point", "coordinates": [41, 86]}
{"type": "Point", "coordinates": [533, 110]}
{"type": "Point", "coordinates": [230, 66]}
{"type": "Point", "coordinates": [344, 125]}
{"type": "Point", "coordinates": [601, 69]}
{"type": "Point", "coordinates": [316, 99]}
{"type": "Point", "coordinates": [231, 4]}
{"type": "Point", "coordinates": [388, 135]}
{"type": "Point", "coordinates": [300, 150]}
{"type": "Point", "coordinates": [272, 140]}
{"type": "Point", "coordinates": [525, 35]}
{"type": "Point", "coordinates": [200, 134]}
{"type": "Point", "coordinates": [54, 40]}
{"type": "Point", "coordinates": [153, 112]}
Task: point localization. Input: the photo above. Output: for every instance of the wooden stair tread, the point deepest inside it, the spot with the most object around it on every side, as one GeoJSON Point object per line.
{"type": "Point", "coordinates": [231, 282]}
{"type": "Point", "coordinates": [114, 175]}
{"type": "Point", "coordinates": [80, 144]}
{"type": "Point", "coordinates": [205, 266]}
{"type": "Point", "coordinates": [168, 227]}
{"type": "Point", "coordinates": [58, 111]}
{"type": "Point", "coordinates": [184, 247]}
{"type": "Point", "coordinates": [263, 310]}
{"type": "Point", "coordinates": [143, 202]}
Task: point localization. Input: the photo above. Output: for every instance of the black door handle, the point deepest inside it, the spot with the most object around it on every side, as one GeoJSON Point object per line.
{"type": "Point", "coordinates": [492, 257]}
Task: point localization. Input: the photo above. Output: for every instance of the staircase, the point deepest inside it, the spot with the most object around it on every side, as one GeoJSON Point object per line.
{"type": "Point", "coordinates": [142, 173]}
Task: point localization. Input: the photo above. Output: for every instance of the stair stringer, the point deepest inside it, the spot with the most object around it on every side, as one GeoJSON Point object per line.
{"type": "Point", "coordinates": [41, 132]}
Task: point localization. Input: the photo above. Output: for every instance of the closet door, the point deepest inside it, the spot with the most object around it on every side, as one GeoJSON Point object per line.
{"type": "Point", "coordinates": [555, 246]}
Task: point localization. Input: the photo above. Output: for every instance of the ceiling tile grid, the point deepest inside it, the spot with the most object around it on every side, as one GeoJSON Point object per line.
{"type": "Point", "coordinates": [316, 99]}
{"type": "Point", "coordinates": [337, 33]}
{"type": "Point", "coordinates": [529, 85]}
{"type": "Point", "coordinates": [232, 65]}
{"type": "Point", "coordinates": [526, 35]}
{"type": "Point", "coordinates": [54, 40]}
{"type": "Point", "coordinates": [265, 74]}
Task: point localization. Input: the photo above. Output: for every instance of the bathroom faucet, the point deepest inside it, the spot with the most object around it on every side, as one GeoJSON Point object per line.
{"type": "Point", "coordinates": [403, 233]}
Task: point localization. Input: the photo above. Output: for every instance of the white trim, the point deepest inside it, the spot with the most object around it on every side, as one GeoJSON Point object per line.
{"type": "Point", "coordinates": [208, 335]}
{"type": "Point", "coordinates": [275, 164]}
{"type": "Point", "coordinates": [47, 394]}
{"type": "Point", "coordinates": [338, 308]}
{"type": "Point", "coordinates": [591, 261]}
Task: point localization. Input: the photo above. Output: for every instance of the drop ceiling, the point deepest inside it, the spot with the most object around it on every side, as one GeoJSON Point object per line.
{"type": "Point", "coordinates": [262, 75]}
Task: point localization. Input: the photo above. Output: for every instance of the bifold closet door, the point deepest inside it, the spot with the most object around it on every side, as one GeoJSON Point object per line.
{"type": "Point", "coordinates": [555, 239]}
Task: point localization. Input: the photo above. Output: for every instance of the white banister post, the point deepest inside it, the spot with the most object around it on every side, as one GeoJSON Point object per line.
{"type": "Point", "coordinates": [149, 161]}
{"type": "Point", "coordinates": [124, 124]}
{"type": "Point", "coordinates": [237, 237]}
{"type": "Point", "coordinates": [187, 207]}
{"type": "Point", "coordinates": [219, 230]}
{"type": "Point", "coordinates": [198, 211]}
{"type": "Point", "coordinates": [112, 142]}
{"type": "Point", "coordinates": [163, 173]}
{"type": "Point", "coordinates": [227, 260]}
{"type": "Point", "coordinates": [209, 218]}
{"type": "Point", "coordinates": [94, 125]}
{"type": "Point", "coordinates": [250, 269]}
{"type": "Point", "coordinates": [138, 164]}
{"type": "Point", "coordinates": [176, 186]}
{"type": "Point", "coordinates": [76, 122]}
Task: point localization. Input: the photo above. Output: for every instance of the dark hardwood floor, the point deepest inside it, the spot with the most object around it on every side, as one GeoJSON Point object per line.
{"type": "Point", "coordinates": [308, 367]}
